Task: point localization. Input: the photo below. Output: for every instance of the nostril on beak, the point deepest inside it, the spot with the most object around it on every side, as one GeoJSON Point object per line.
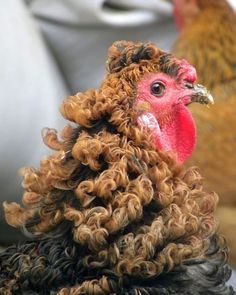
{"type": "Point", "coordinates": [201, 95]}
{"type": "Point", "coordinates": [189, 85]}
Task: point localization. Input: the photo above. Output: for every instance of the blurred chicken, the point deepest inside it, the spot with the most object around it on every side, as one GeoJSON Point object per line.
{"type": "Point", "coordinates": [207, 40]}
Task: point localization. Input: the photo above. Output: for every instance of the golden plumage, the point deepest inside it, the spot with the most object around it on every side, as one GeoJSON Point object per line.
{"type": "Point", "coordinates": [209, 43]}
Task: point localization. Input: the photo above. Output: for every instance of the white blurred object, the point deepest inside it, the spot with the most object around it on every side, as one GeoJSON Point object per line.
{"type": "Point", "coordinates": [232, 280]}
{"type": "Point", "coordinates": [79, 32]}
{"type": "Point", "coordinates": [233, 3]}
{"type": "Point", "coordinates": [161, 7]}
{"type": "Point", "coordinates": [31, 91]}
{"type": "Point", "coordinates": [90, 12]}
{"type": "Point", "coordinates": [119, 13]}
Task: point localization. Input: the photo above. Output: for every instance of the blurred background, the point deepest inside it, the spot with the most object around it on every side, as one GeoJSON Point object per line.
{"type": "Point", "coordinates": [53, 48]}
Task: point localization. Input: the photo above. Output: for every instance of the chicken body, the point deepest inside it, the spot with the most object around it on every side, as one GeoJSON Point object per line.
{"type": "Point", "coordinates": [207, 40]}
{"type": "Point", "coordinates": [112, 210]}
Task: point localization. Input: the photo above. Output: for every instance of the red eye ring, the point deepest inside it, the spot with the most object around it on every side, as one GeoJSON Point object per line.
{"type": "Point", "coordinates": [157, 88]}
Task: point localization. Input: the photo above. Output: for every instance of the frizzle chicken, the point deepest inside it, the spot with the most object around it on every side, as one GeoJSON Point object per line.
{"type": "Point", "coordinates": [207, 40]}
{"type": "Point", "coordinates": [113, 210]}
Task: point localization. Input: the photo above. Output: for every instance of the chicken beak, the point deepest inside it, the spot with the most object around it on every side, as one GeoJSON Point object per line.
{"type": "Point", "coordinates": [201, 95]}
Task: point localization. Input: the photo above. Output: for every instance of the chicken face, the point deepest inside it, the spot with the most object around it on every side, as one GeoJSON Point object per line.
{"type": "Point", "coordinates": [184, 12]}
{"type": "Point", "coordinates": [162, 102]}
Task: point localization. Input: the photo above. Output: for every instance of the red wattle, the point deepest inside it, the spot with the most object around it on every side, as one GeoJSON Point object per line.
{"type": "Point", "coordinates": [179, 134]}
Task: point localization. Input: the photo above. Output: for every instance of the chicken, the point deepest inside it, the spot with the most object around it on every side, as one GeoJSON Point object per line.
{"type": "Point", "coordinates": [211, 48]}
{"type": "Point", "coordinates": [113, 210]}
{"type": "Point", "coordinates": [207, 40]}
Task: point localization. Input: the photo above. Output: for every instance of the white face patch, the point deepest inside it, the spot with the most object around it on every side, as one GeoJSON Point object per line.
{"type": "Point", "coordinates": [149, 120]}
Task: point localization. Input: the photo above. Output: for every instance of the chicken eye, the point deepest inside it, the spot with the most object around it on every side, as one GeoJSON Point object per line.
{"type": "Point", "coordinates": [158, 88]}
